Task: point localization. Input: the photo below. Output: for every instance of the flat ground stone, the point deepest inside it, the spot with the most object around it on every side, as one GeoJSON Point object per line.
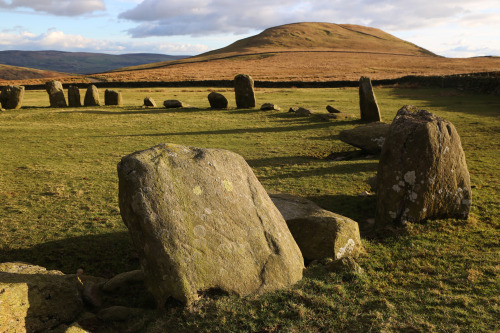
{"type": "Point", "coordinates": [367, 101]}
{"type": "Point", "coordinates": [331, 109]}
{"type": "Point", "coordinates": [33, 299]}
{"type": "Point", "coordinates": [269, 107]}
{"type": "Point", "coordinates": [422, 173]}
{"type": "Point", "coordinates": [303, 112]}
{"type": "Point", "coordinates": [200, 220]}
{"type": "Point", "coordinates": [319, 233]}
{"type": "Point", "coordinates": [173, 103]}
{"type": "Point", "coordinates": [369, 137]}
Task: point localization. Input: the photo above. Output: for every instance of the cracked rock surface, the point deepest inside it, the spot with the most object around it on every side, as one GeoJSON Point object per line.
{"type": "Point", "coordinates": [200, 220]}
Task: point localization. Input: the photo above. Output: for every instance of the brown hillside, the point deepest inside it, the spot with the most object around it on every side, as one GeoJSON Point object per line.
{"type": "Point", "coordinates": [9, 73]}
{"type": "Point", "coordinates": [306, 52]}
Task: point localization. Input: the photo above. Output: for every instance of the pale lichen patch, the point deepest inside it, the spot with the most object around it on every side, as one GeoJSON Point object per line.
{"type": "Point", "coordinates": [197, 190]}
{"type": "Point", "coordinates": [347, 249]}
{"type": "Point", "coordinates": [228, 185]}
{"type": "Point", "coordinates": [410, 177]}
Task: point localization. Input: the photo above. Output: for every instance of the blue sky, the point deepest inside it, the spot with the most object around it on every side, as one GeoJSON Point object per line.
{"type": "Point", "coordinates": [458, 28]}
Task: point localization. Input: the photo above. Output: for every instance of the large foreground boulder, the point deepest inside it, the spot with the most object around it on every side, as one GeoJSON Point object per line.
{"type": "Point", "coordinates": [92, 96]}
{"type": "Point", "coordinates": [422, 173]}
{"type": "Point", "coordinates": [200, 220]}
{"type": "Point", "coordinates": [74, 99]}
{"type": "Point", "coordinates": [367, 101]}
{"type": "Point", "coordinates": [369, 137]}
{"type": "Point", "coordinates": [112, 97]}
{"type": "Point", "coordinates": [11, 97]}
{"type": "Point", "coordinates": [217, 100]}
{"type": "Point", "coordinates": [33, 299]}
{"type": "Point", "coordinates": [56, 94]}
{"type": "Point", "coordinates": [319, 233]}
{"type": "Point", "coordinates": [244, 92]}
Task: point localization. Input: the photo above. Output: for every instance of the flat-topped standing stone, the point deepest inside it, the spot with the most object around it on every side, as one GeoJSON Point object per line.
{"type": "Point", "coordinates": [56, 94]}
{"type": "Point", "coordinates": [422, 173]}
{"type": "Point", "coordinates": [367, 101]}
{"type": "Point", "coordinates": [92, 96]}
{"type": "Point", "coordinates": [74, 99]}
{"type": "Point", "coordinates": [112, 97]}
{"type": "Point", "coordinates": [319, 233]}
{"type": "Point", "coordinates": [244, 92]}
{"type": "Point", "coordinates": [369, 137]}
{"type": "Point", "coordinates": [11, 97]}
{"type": "Point", "coordinates": [200, 220]}
{"type": "Point", "coordinates": [217, 100]}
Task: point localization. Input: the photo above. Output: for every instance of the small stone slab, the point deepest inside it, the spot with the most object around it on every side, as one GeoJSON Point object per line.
{"type": "Point", "coordinates": [173, 103]}
{"type": "Point", "coordinates": [331, 109]}
{"type": "Point", "coordinates": [270, 107]}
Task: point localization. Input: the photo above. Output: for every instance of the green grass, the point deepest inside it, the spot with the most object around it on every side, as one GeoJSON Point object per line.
{"type": "Point", "coordinates": [58, 206]}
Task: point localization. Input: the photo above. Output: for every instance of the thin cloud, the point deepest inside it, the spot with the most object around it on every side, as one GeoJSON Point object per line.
{"type": "Point", "coordinates": [208, 17]}
{"type": "Point", "coordinates": [58, 40]}
{"type": "Point", "coordinates": [57, 7]}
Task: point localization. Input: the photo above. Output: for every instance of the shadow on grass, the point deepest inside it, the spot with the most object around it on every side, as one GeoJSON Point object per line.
{"type": "Point", "coordinates": [135, 111]}
{"type": "Point", "coordinates": [367, 166]}
{"type": "Point", "coordinates": [99, 255]}
{"type": "Point", "coordinates": [237, 130]}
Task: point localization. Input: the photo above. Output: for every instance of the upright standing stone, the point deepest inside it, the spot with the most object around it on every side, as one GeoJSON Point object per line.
{"type": "Point", "coordinates": [149, 102]}
{"type": "Point", "coordinates": [11, 97]}
{"type": "Point", "coordinates": [244, 92]}
{"type": "Point", "coordinates": [74, 99]}
{"type": "Point", "coordinates": [422, 173]}
{"type": "Point", "coordinates": [217, 100]}
{"type": "Point", "coordinates": [367, 101]}
{"type": "Point", "coordinates": [92, 96]}
{"type": "Point", "coordinates": [112, 97]}
{"type": "Point", "coordinates": [200, 220]}
{"type": "Point", "coordinates": [56, 94]}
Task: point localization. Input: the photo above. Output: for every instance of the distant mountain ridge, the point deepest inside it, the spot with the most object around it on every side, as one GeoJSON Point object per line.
{"type": "Point", "coordinates": [79, 62]}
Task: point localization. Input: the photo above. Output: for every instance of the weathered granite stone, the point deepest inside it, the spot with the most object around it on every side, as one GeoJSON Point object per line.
{"type": "Point", "coordinates": [367, 101]}
{"type": "Point", "coordinates": [244, 92]}
{"type": "Point", "coordinates": [293, 109]}
{"type": "Point", "coordinates": [319, 233]}
{"type": "Point", "coordinates": [369, 137]}
{"type": "Point", "coordinates": [33, 299]}
{"type": "Point", "coordinates": [56, 94]}
{"type": "Point", "coordinates": [92, 96]}
{"type": "Point", "coordinates": [112, 97]}
{"type": "Point", "coordinates": [422, 173]}
{"type": "Point", "coordinates": [173, 103]}
{"type": "Point", "coordinates": [270, 107]}
{"type": "Point", "coordinates": [74, 99]}
{"type": "Point", "coordinates": [200, 220]}
{"type": "Point", "coordinates": [11, 97]}
{"type": "Point", "coordinates": [217, 100]}
{"type": "Point", "coordinates": [149, 102]}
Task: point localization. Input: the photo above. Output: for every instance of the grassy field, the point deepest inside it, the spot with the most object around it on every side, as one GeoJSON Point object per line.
{"type": "Point", "coordinates": [58, 206]}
